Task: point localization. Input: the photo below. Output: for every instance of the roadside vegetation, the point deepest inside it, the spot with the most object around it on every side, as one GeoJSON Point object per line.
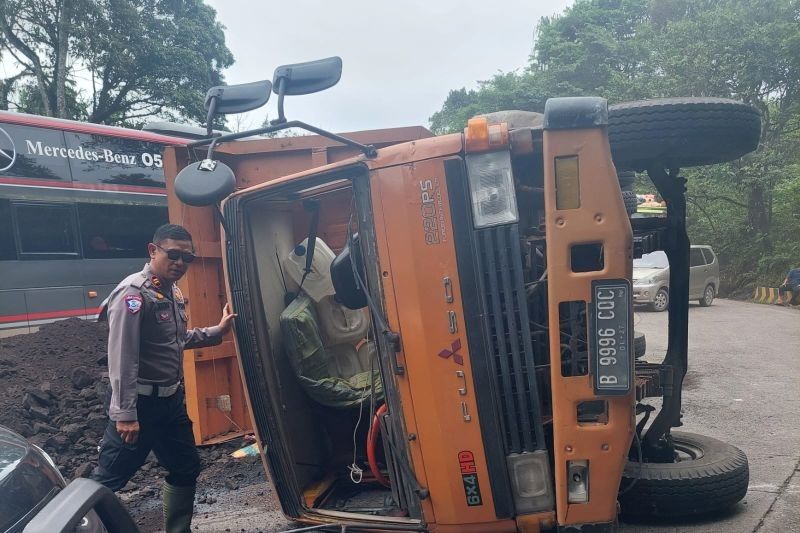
{"type": "Point", "coordinates": [110, 61]}
{"type": "Point", "coordinates": [748, 50]}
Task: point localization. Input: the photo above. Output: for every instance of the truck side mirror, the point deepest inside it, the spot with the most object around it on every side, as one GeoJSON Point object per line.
{"type": "Point", "coordinates": [227, 99]}
{"type": "Point", "coordinates": [307, 78]}
{"type": "Point", "coordinates": [204, 183]}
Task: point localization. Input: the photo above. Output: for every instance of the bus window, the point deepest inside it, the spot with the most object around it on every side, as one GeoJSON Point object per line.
{"type": "Point", "coordinates": [46, 231]}
{"type": "Point", "coordinates": [40, 153]}
{"type": "Point", "coordinates": [115, 161]}
{"type": "Point", "coordinates": [117, 231]}
{"type": "Point", "coordinates": [7, 246]}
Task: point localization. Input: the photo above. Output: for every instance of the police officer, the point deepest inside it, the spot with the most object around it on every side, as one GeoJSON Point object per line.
{"type": "Point", "coordinates": [147, 335]}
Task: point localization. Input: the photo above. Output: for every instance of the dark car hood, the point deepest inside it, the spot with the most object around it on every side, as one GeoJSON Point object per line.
{"type": "Point", "coordinates": [28, 480]}
{"type": "Point", "coordinates": [13, 448]}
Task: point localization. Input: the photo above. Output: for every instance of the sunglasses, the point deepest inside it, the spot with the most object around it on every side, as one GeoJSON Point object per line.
{"type": "Point", "coordinates": [174, 255]}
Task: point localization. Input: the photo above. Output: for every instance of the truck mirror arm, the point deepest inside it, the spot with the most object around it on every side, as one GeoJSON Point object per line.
{"type": "Point", "coordinates": [367, 149]}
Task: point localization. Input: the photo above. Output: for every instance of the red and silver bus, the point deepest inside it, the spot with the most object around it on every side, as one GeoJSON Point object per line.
{"type": "Point", "coordinates": [78, 204]}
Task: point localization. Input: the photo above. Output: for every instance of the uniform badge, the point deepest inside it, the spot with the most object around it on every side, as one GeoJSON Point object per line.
{"type": "Point", "coordinates": [164, 316]}
{"type": "Point", "coordinates": [134, 303]}
{"type": "Point", "coordinates": [156, 282]}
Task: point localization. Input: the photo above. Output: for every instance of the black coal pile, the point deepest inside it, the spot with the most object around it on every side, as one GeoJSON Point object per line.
{"type": "Point", "coordinates": [54, 384]}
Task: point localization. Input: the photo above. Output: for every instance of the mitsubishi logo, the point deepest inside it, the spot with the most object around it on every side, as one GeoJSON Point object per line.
{"type": "Point", "coordinates": [8, 152]}
{"type": "Point", "coordinates": [455, 346]}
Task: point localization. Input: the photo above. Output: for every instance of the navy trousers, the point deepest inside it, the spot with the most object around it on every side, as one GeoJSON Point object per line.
{"type": "Point", "coordinates": [165, 428]}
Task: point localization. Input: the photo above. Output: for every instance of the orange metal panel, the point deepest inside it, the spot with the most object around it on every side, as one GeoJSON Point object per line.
{"type": "Point", "coordinates": [534, 523]}
{"type": "Point", "coordinates": [497, 526]}
{"type": "Point", "coordinates": [212, 373]}
{"type": "Point", "coordinates": [401, 382]}
{"type": "Point", "coordinates": [413, 215]}
{"type": "Point", "coordinates": [601, 218]}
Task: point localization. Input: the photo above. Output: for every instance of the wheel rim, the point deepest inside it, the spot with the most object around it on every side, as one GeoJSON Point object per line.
{"type": "Point", "coordinates": [661, 300]}
{"type": "Point", "coordinates": [687, 452]}
{"type": "Point", "coordinates": [709, 297]}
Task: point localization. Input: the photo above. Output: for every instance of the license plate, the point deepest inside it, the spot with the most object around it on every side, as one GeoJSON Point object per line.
{"type": "Point", "coordinates": [611, 336]}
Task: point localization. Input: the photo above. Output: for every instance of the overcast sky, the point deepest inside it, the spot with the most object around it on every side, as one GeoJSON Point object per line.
{"type": "Point", "coordinates": [401, 58]}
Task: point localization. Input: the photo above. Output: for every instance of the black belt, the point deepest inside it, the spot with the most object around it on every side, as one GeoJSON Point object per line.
{"type": "Point", "coordinates": [160, 391]}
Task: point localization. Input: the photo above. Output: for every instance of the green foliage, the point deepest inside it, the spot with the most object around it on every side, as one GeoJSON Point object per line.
{"type": "Point", "coordinates": [631, 49]}
{"type": "Point", "coordinates": [112, 61]}
{"type": "Point", "coordinates": [504, 91]}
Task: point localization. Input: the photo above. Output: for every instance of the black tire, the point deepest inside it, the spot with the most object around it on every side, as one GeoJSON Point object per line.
{"type": "Point", "coordinates": [626, 180]}
{"type": "Point", "coordinates": [713, 476]}
{"type": "Point", "coordinates": [631, 203]}
{"type": "Point", "coordinates": [708, 296]}
{"type": "Point", "coordinates": [681, 132]}
{"type": "Point", "coordinates": [660, 300]}
{"type": "Point", "coordinates": [639, 344]}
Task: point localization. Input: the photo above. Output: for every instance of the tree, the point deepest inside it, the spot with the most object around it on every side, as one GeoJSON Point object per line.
{"type": "Point", "coordinates": [592, 48]}
{"type": "Point", "coordinates": [112, 61]}
{"type": "Point", "coordinates": [630, 49]}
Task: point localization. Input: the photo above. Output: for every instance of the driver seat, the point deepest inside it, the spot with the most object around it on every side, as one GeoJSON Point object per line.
{"type": "Point", "coordinates": [324, 340]}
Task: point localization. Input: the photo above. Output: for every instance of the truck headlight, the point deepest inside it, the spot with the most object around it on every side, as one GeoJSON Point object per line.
{"type": "Point", "coordinates": [491, 185]}
{"type": "Point", "coordinates": [531, 483]}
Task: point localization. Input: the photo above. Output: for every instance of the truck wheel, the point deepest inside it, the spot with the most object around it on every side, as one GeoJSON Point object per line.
{"type": "Point", "coordinates": [708, 475]}
{"type": "Point", "coordinates": [639, 344]}
{"type": "Point", "coordinates": [660, 300]}
{"type": "Point", "coordinates": [681, 132]}
{"type": "Point", "coordinates": [631, 203]}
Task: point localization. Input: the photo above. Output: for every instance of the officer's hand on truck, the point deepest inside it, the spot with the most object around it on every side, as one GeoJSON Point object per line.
{"type": "Point", "coordinates": [227, 319]}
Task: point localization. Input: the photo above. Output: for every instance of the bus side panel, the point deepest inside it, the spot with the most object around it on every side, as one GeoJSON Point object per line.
{"type": "Point", "coordinates": [13, 313]}
{"type": "Point", "coordinates": [46, 304]}
{"type": "Point", "coordinates": [38, 292]}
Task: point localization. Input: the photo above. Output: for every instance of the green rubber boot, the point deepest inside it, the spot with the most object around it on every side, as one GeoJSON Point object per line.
{"type": "Point", "coordinates": [178, 508]}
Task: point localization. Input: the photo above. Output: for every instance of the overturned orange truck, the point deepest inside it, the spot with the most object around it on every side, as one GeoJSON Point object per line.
{"type": "Point", "coordinates": [437, 335]}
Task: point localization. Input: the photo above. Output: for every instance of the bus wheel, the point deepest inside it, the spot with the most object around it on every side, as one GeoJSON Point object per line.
{"type": "Point", "coordinates": [708, 475]}
{"type": "Point", "coordinates": [681, 132]}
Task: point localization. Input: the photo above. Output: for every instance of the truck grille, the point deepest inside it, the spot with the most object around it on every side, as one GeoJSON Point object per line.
{"type": "Point", "coordinates": [507, 328]}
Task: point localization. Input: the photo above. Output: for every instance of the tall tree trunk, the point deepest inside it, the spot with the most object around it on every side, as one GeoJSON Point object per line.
{"type": "Point", "coordinates": [35, 65]}
{"type": "Point", "coordinates": [758, 216]}
{"type": "Point", "coordinates": [64, 27]}
{"type": "Point", "coordinates": [5, 90]}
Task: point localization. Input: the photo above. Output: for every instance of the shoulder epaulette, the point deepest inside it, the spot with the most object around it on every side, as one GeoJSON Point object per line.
{"type": "Point", "coordinates": [138, 280]}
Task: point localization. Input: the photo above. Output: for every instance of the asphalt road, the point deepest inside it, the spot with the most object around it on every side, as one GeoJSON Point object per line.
{"type": "Point", "coordinates": [743, 387]}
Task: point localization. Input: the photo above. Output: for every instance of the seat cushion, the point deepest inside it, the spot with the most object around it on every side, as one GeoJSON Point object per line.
{"type": "Point", "coordinates": [336, 376]}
